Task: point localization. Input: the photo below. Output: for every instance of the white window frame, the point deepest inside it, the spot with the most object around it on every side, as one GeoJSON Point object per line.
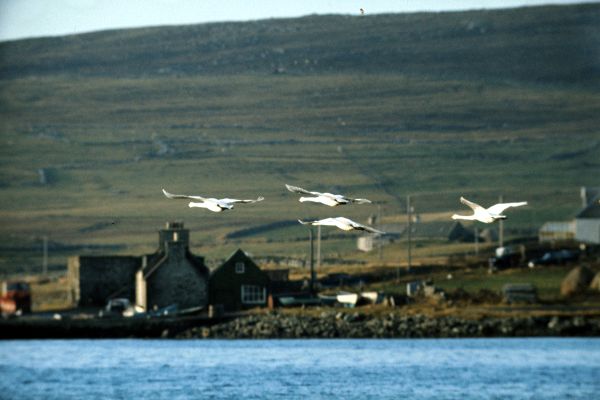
{"type": "Point", "coordinates": [240, 267]}
{"type": "Point", "coordinates": [253, 294]}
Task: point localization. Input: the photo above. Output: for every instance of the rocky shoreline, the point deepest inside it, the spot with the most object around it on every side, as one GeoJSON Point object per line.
{"type": "Point", "coordinates": [276, 325]}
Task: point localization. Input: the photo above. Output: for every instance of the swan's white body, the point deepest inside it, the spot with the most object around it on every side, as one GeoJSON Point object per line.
{"type": "Point", "coordinates": [342, 223]}
{"type": "Point", "coordinates": [212, 204]}
{"type": "Point", "coordinates": [328, 199]}
{"type": "Point", "coordinates": [486, 215]}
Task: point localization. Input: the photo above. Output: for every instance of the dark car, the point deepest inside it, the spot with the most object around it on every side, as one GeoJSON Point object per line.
{"type": "Point", "coordinates": [505, 261]}
{"type": "Point", "coordinates": [554, 257]}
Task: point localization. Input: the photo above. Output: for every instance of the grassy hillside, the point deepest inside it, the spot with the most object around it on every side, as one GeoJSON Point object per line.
{"type": "Point", "coordinates": [527, 44]}
{"type": "Point", "coordinates": [437, 106]}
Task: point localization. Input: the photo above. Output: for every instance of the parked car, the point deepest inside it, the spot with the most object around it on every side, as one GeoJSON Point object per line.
{"type": "Point", "coordinates": [15, 298]}
{"type": "Point", "coordinates": [117, 307]}
{"type": "Point", "coordinates": [554, 257]}
{"type": "Point", "coordinates": [506, 257]}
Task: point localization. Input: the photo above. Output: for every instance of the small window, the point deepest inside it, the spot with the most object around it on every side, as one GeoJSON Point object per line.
{"type": "Point", "coordinates": [240, 267]}
{"type": "Point", "coordinates": [175, 236]}
{"type": "Point", "coordinates": [252, 294]}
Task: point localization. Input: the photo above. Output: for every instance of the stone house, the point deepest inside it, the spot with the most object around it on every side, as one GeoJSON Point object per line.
{"type": "Point", "coordinates": [238, 284]}
{"type": "Point", "coordinates": [171, 275]}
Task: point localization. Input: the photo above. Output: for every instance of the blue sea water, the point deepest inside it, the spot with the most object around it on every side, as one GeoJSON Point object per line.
{"type": "Point", "coordinates": [537, 368]}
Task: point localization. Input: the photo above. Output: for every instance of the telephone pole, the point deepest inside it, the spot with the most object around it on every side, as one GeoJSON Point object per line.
{"type": "Point", "coordinates": [379, 242]}
{"type": "Point", "coordinates": [409, 217]}
{"type": "Point", "coordinates": [501, 226]}
{"type": "Point", "coordinates": [312, 265]}
{"type": "Point", "coordinates": [45, 255]}
{"type": "Point", "coordinates": [318, 247]}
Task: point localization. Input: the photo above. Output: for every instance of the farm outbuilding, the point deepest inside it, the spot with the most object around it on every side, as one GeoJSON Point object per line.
{"type": "Point", "coordinates": [238, 284]}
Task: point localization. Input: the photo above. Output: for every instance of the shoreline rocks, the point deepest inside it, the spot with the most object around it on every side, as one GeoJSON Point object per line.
{"type": "Point", "coordinates": [359, 325]}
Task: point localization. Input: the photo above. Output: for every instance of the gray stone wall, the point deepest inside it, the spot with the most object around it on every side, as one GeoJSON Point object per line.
{"type": "Point", "coordinates": [177, 281]}
{"type": "Point", "coordinates": [103, 277]}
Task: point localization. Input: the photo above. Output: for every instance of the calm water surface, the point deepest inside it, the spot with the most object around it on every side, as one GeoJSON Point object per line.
{"type": "Point", "coordinates": [301, 369]}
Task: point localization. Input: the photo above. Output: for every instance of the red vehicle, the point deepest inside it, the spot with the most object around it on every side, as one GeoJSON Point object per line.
{"type": "Point", "coordinates": [15, 297]}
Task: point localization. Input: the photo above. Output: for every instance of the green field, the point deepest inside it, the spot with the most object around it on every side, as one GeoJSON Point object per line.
{"type": "Point", "coordinates": [434, 126]}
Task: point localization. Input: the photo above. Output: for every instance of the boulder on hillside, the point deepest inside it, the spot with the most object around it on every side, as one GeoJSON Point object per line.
{"type": "Point", "coordinates": [576, 281]}
{"type": "Point", "coordinates": [595, 285]}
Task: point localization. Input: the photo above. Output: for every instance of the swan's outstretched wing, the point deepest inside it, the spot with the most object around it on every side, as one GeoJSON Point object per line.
{"type": "Point", "coordinates": [498, 208]}
{"type": "Point", "coordinates": [325, 221]}
{"type": "Point", "coordinates": [182, 196]}
{"type": "Point", "coordinates": [362, 227]}
{"type": "Point", "coordinates": [358, 201]}
{"type": "Point", "coordinates": [243, 201]}
{"type": "Point", "coordinates": [474, 206]}
{"type": "Point", "coordinates": [297, 189]}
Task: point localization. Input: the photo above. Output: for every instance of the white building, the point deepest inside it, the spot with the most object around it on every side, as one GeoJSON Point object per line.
{"type": "Point", "coordinates": [555, 231]}
{"type": "Point", "coordinates": [587, 223]}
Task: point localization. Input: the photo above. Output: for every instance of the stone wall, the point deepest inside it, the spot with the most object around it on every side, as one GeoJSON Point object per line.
{"type": "Point", "coordinates": [177, 281]}
{"type": "Point", "coordinates": [95, 279]}
{"type": "Point", "coordinates": [338, 324]}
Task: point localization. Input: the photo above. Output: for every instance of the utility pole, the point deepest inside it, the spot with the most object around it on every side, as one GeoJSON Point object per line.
{"type": "Point", "coordinates": [318, 247]}
{"type": "Point", "coordinates": [409, 217]}
{"type": "Point", "coordinates": [312, 265]}
{"type": "Point", "coordinates": [379, 244]}
{"type": "Point", "coordinates": [476, 241]}
{"type": "Point", "coordinates": [501, 227]}
{"type": "Point", "coordinates": [45, 257]}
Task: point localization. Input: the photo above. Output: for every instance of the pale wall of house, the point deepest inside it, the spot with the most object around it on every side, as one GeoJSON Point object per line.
{"type": "Point", "coordinates": [587, 230]}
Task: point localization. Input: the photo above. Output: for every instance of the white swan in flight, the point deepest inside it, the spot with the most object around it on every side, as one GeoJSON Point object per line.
{"type": "Point", "coordinates": [328, 199]}
{"type": "Point", "coordinates": [486, 215]}
{"type": "Point", "coordinates": [342, 223]}
{"type": "Point", "coordinates": [212, 204]}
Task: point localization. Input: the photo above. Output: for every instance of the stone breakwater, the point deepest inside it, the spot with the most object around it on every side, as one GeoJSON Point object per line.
{"type": "Point", "coordinates": [358, 325]}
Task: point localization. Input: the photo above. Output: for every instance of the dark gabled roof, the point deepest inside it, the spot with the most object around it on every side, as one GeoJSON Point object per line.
{"type": "Point", "coordinates": [157, 259]}
{"type": "Point", "coordinates": [239, 253]}
{"type": "Point", "coordinates": [592, 211]}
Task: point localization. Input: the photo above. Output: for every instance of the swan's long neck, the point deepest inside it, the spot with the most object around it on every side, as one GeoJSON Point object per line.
{"type": "Point", "coordinates": [465, 217]}
{"type": "Point", "coordinates": [312, 199]}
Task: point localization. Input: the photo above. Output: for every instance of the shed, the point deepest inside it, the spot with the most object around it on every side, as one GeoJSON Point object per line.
{"type": "Point", "coordinates": [519, 293]}
{"type": "Point", "coordinates": [238, 284]}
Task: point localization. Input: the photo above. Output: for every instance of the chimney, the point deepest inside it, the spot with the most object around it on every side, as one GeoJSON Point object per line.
{"type": "Point", "coordinates": [173, 236]}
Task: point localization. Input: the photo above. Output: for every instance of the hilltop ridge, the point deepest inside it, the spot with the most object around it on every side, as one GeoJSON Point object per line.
{"type": "Point", "coordinates": [533, 44]}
